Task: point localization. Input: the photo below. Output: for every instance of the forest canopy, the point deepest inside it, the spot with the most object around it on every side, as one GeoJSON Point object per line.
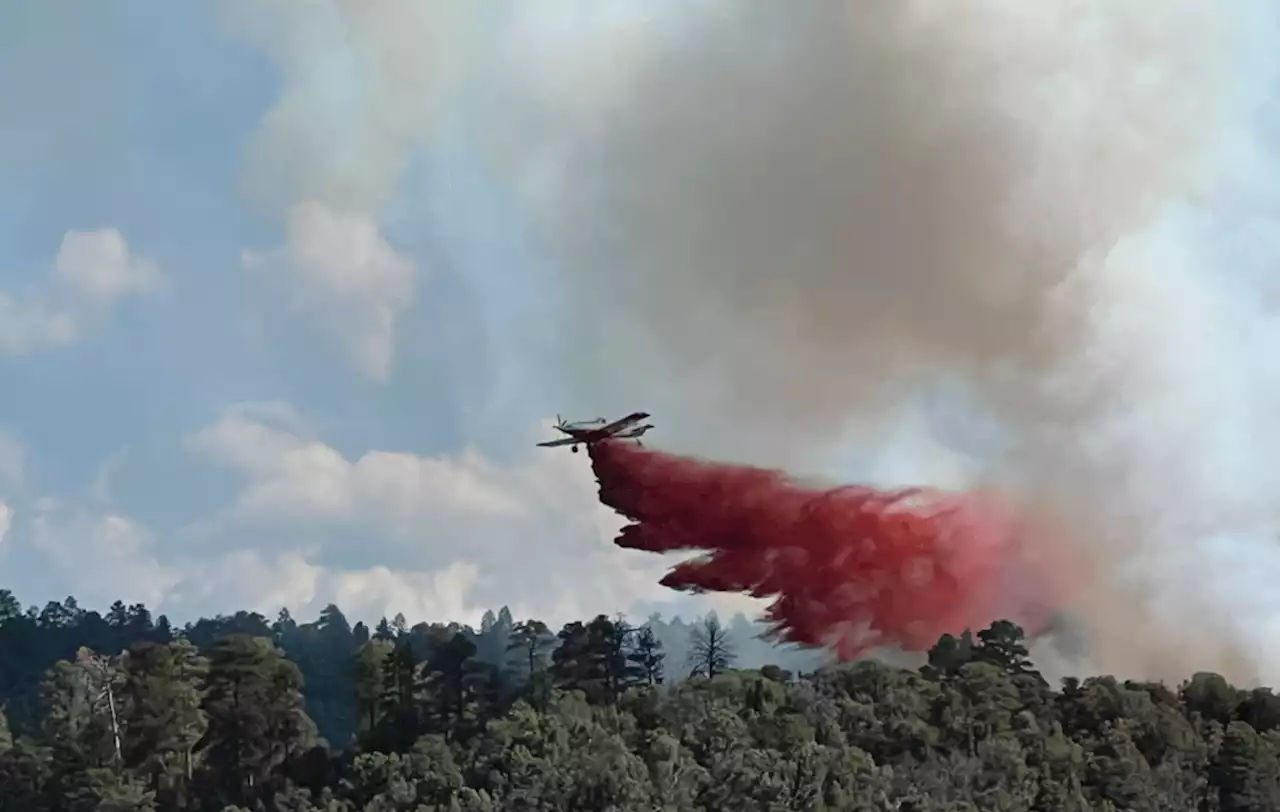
{"type": "Point", "coordinates": [123, 711]}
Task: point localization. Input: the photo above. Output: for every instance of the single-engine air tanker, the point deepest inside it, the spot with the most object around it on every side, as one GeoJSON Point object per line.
{"type": "Point", "coordinates": [587, 432]}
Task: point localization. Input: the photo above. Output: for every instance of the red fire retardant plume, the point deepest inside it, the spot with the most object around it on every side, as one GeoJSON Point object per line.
{"type": "Point", "coordinates": [852, 567]}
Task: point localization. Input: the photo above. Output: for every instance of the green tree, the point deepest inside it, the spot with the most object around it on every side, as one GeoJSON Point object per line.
{"type": "Point", "coordinates": [256, 719]}
{"type": "Point", "coordinates": [592, 658]}
{"type": "Point", "coordinates": [384, 632]}
{"type": "Point", "coordinates": [646, 658]}
{"type": "Point", "coordinates": [163, 718]}
{"type": "Point", "coordinates": [574, 666]}
{"type": "Point", "coordinates": [1246, 772]}
{"type": "Point", "coordinates": [399, 722]}
{"type": "Point", "coordinates": [6, 737]}
{"type": "Point", "coordinates": [112, 791]}
{"type": "Point", "coordinates": [949, 654]}
{"type": "Point", "coordinates": [10, 609]}
{"type": "Point", "coordinates": [527, 648]}
{"type": "Point", "coordinates": [27, 778]}
{"type": "Point", "coordinates": [226, 728]}
{"type": "Point", "coordinates": [1211, 697]}
{"type": "Point", "coordinates": [370, 679]}
{"type": "Point", "coordinates": [450, 682]}
{"type": "Point", "coordinates": [103, 678]}
{"type": "Point", "coordinates": [1004, 644]}
{"type": "Point", "coordinates": [77, 718]}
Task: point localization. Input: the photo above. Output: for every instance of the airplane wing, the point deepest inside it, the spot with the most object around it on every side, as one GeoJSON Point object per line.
{"type": "Point", "coordinates": [578, 426]}
{"type": "Point", "coordinates": [618, 425]}
{"type": "Point", "coordinates": [579, 434]}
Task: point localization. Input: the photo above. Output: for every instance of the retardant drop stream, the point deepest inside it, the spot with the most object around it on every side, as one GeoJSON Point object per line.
{"type": "Point", "coordinates": [852, 567]}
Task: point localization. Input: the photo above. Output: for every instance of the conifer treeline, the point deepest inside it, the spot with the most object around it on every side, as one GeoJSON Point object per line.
{"type": "Point", "coordinates": [125, 713]}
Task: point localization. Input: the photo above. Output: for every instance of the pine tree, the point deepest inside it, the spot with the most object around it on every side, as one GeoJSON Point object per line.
{"type": "Point", "coordinates": [255, 710]}
{"type": "Point", "coordinates": [383, 631]}
{"type": "Point", "coordinates": [6, 737]}
{"type": "Point", "coordinates": [369, 674]}
{"type": "Point", "coordinates": [711, 651]}
{"type": "Point", "coordinates": [646, 657]}
{"type": "Point", "coordinates": [527, 656]}
{"type": "Point", "coordinates": [398, 719]}
{"type": "Point", "coordinates": [449, 684]}
{"type": "Point", "coordinates": [163, 720]}
{"type": "Point", "coordinates": [1004, 644]}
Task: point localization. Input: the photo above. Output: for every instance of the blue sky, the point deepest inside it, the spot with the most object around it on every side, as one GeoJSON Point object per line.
{"type": "Point", "coordinates": [133, 117]}
{"type": "Point", "coordinates": [288, 289]}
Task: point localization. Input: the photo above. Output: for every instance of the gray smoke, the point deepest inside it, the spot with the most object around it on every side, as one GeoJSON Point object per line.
{"type": "Point", "coordinates": [788, 225]}
{"type": "Point", "coordinates": [803, 216]}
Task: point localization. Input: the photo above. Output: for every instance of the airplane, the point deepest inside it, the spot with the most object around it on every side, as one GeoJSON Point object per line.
{"type": "Point", "coordinates": [582, 433]}
{"type": "Point", "coordinates": [581, 424]}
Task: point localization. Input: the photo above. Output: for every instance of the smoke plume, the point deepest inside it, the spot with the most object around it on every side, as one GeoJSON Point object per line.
{"type": "Point", "coordinates": [804, 216]}
{"type": "Point", "coordinates": [803, 221]}
{"type": "Point", "coordinates": [789, 225]}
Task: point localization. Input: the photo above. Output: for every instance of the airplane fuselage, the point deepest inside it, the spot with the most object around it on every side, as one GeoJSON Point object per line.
{"type": "Point", "coordinates": [582, 425]}
{"type": "Point", "coordinates": [618, 428]}
{"type": "Point", "coordinates": [581, 434]}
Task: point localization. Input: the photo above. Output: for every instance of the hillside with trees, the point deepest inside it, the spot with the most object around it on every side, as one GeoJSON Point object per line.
{"type": "Point", "coordinates": [122, 712]}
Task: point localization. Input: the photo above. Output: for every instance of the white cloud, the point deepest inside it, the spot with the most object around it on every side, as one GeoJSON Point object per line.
{"type": "Point", "coordinates": [92, 273]}
{"type": "Point", "coordinates": [13, 460]}
{"type": "Point", "coordinates": [434, 537]}
{"type": "Point", "coordinates": [381, 592]}
{"type": "Point", "coordinates": [12, 464]}
{"type": "Point", "coordinates": [423, 535]}
{"type": "Point", "coordinates": [401, 545]}
{"type": "Point", "coordinates": [100, 487]}
{"type": "Point", "coordinates": [104, 557]}
{"type": "Point", "coordinates": [99, 270]}
{"type": "Point", "coordinates": [340, 131]}
{"type": "Point", "coordinates": [250, 580]}
{"type": "Point", "coordinates": [265, 582]}
{"type": "Point", "coordinates": [6, 520]}
{"type": "Point", "coordinates": [292, 476]}
{"type": "Point", "coordinates": [26, 327]}
{"type": "Point", "coordinates": [337, 267]}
